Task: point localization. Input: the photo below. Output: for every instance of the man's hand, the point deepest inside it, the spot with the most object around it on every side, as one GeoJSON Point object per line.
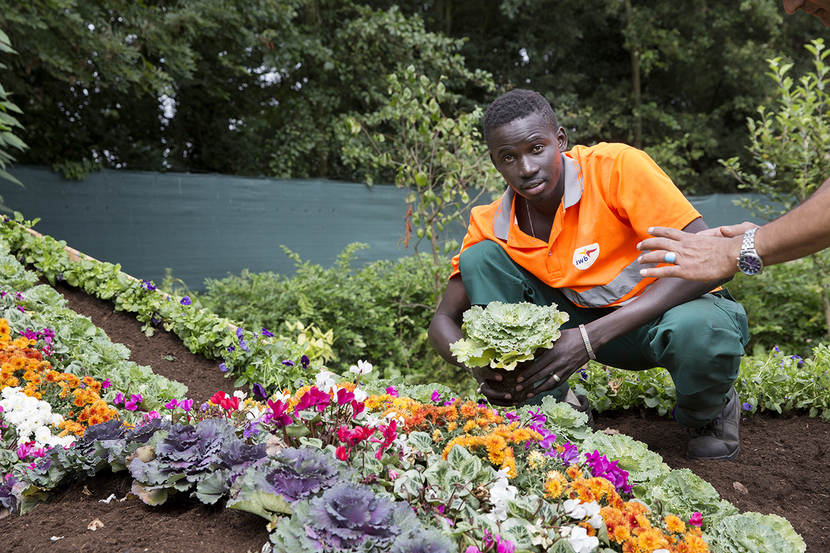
{"type": "Point", "coordinates": [498, 386]}
{"type": "Point", "coordinates": [708, 255]}
{"type": "Point", "coordinates": [534, 377]}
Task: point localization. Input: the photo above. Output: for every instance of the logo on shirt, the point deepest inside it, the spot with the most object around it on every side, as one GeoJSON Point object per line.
{"type": "Point", "coordinates": [584, 256]}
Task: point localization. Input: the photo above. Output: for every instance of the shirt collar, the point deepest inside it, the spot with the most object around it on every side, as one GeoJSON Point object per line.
{"type": "Point", "coordinates": [570, 197]}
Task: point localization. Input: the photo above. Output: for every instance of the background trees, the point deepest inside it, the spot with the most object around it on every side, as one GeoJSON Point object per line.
{"type": "Point", "coordinates": [260, 86]}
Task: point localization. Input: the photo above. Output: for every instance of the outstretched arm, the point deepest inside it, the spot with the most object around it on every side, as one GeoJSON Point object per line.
{"type": "Point", "coordinates": [802, 231]}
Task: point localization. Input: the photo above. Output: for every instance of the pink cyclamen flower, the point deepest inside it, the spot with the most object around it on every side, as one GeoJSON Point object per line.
{"type": "Point", "coordinates": [106, 384]}
{"type": "Point", "coordinates": [342, 453]}
{"type": "Point", "coordinates": [696, 519]}
{"type": "Point", "coordinates": [133, 403]}
{"type": "Point", "coordinates": [172, 404]}
{"type": "Point", "coordinates": [435, 397]}
{"type": "Point", "coordinates": [314, 398]}
{"type": "Point", "coordinates": [279, 413]}
{"type": "Point", "coordinates": [392, 391]}
{"type": "Point", "coordinates": [472, 549]}
{"type": "Point", "coordinates": [393, 475]}
{"type": "Point", "coordinates": [344, 396]}
{"type": "Point", "coordinates": [187, 404]}
{"type": "Point", "coordinates": [119, 399]}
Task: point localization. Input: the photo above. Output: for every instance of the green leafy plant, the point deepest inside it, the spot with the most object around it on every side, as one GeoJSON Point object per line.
{"type": "Point", "coordinates": [789, 146]}
{"type": "Point", "coordinates": [503, 334]}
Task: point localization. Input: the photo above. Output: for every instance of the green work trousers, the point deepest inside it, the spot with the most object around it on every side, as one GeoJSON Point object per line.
{"type": "Point", "coordinates": [699, 342]}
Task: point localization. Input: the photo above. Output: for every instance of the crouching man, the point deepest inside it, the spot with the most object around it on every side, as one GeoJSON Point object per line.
{"type": "Point", "coordinates": [566, 231]}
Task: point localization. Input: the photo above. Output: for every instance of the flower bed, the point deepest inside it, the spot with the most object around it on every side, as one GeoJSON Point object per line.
{"type": "Point", "coordinates": [532, 492]}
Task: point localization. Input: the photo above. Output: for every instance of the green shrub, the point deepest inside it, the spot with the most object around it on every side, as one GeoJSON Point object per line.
{"type": "Point", "coordinates": [784, 307]}
{"type": "Point", "coordinates": [379, 312]}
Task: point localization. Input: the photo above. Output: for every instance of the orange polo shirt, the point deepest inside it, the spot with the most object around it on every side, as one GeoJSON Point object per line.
{"type": "Point", "coordinates": [613, 194]}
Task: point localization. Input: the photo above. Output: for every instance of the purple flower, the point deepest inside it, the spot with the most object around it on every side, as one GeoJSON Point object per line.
{"type": "Point", "coordinates": [223, 367]}
{"type": "Point", "coordinates": [259, 391]}
{"type": "Point", "coordinates": [185, 300]}
{"type": "Point", "coordinates": [239, 333]}
{"type": "Point", "coordinates": [392, 391]}
{"type": "Point", "coordinates": [172, 404]}
{"type": "Point", "coordinates": [187, 404]}
{"type": "Point", "coordinates": [106, 384]}
{"type": "Point", "coordinates": [149, 286]}
{"type": "Point", "coordinates": [600, 466]}
{"type": "Point", "coordinates": [266, 333]}
{"type": "Point", "coordinates": [436, 396]}
{"type": "Point", "coordinates": [243, 345]}
{"type": "Point", "coordinates": [570, 453]}
{"type": "Point", "coordinates": [231, 349]}
{"type": "Point", "coordinates": [747, 406]}
{"type": "Point", "coordinates": [288, 363]}
{"type": "Point", "coordinates": [119, 399]}
{"type": "Point", "coordinates": [472, 549]}
{"type": "Point", "coordinates": [304, 361]}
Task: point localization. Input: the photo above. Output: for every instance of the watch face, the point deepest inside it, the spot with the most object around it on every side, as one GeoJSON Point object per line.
{"type": "Point", "coordinates": [750, 264]}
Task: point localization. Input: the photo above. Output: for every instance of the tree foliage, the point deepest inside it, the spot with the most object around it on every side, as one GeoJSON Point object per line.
{"type": "Point", "coordinates": [8, 122]}
{"type": "Point", "coordinates": [441, 160]}
{"type": "Point", "coordinates": [258, 86]}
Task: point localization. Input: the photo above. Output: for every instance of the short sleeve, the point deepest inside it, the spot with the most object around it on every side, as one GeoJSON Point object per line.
{"type": "Point", "coordinates": [645, 196]}
{"type": "Point", "coordinates": [475, 234]}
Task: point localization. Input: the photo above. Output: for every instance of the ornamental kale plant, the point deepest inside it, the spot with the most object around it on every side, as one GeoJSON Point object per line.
{"type": "Point", "coordinates": [191, 457]}
{"type": "Point", "coordinates": [347, 517]}
{"type": "Point", "coordinates": [268, 488]}
{"type": "Point", "coordinates": [503, 334]}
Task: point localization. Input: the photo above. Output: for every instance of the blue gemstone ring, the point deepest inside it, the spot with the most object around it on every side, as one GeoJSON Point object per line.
{"type": "Point", "coordinates": [670, 257]}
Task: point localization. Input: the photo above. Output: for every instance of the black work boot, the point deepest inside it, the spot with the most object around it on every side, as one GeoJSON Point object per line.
{"type": "Point", "coordinates": [580, 403]}
{"type": "Point", "coordinates": [720, 439]}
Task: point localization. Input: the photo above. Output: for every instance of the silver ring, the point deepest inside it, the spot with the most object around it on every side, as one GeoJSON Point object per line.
{"type": "Point", "coordinates": [556, 378]}
{"type": "Point", "coordinates": [670, 257]}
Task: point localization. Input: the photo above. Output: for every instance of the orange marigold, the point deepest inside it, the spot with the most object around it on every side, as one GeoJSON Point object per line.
{"type": "Point", "coordinates": [555, 484]}
{"type": "Point", "coordinates": [674, 524]}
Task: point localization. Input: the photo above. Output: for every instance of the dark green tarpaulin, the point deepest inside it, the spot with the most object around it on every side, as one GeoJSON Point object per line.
{"type": "Point", "coordinates": [207, 225]}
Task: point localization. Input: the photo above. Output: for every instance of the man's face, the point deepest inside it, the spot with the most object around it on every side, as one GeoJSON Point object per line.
{"type": "Point", "coordinates": [527, 154]}
{"type": "Point", "coordinates": [818, 8]}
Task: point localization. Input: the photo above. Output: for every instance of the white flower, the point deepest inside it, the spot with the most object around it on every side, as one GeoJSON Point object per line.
{"type": "Point", "coordinates": [283, 396]}
{"type": "Point", "coordinates": [581, 541]}
{"type": "Point", "coordinates": [240, 394]}
{"type": "Point", "coordinates": [325, 381]}
{"type": "Point", "coordinates": [360, 395]}
{"type": "Point", "coordinates": [362, 367]}
{"type": "Point", "coordinates": [501, 492]}
{"type": "Point", "coordinates": [580, 511]}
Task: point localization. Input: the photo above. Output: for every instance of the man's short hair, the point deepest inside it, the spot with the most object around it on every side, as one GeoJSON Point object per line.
{"type": "Point", "coordinates": [517, 104]}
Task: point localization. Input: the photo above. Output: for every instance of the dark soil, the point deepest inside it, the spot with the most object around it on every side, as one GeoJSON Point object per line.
{"type": "Point", "coordinates": [782, 469]}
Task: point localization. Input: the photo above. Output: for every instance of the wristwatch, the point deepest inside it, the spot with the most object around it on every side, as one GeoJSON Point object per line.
{"type": "Point", "coordinates": [749, 262]}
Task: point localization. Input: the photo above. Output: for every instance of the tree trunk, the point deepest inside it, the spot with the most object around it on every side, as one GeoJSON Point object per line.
{"type": "Point", "coordinates": [636, 86]}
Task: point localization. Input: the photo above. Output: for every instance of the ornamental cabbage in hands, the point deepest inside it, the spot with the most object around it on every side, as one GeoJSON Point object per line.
{"type": "Point", "coordinates": [503, 334]}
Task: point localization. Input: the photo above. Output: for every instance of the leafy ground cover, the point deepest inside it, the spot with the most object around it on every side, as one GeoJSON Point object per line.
{"type": "Point", "coordinates": [187, 524]}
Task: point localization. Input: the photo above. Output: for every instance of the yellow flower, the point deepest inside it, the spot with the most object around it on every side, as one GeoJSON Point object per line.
{"type": "Point", "coordinates": [535, 459]}
{"type": "Point", "coordinates": [674, 524]}
{"type": "Point", "coordinates": [555, 484]}
{"type": "Point", "coordinates": [437, 436]}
